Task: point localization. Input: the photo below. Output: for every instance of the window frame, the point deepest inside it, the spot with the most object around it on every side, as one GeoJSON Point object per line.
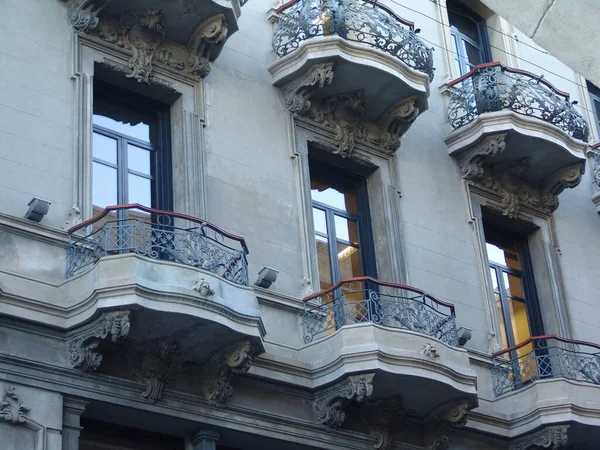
{"type": "Point", "coordinates": [321, 171]}
{"type": "Point", "coordinates": [161, 159]}
{"type": "Point", "coordinates": [594, 94]}
{"type": "Point", "coordinates": [483, 46]}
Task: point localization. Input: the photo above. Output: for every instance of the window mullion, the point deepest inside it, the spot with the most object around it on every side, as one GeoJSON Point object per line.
{"type": "Point", "coordinates": [505, 307]}
{"type": "Point", "coordinates": [332, 242]}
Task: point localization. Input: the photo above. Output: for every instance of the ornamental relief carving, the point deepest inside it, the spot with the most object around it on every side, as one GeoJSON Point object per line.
{"type": "Point", "coordinates": [507, 181]}
{"type": "Point", "coordinates": [383, 418]}
{"type": "Point", "coordinates": [11, 408]}
{"type": "Point", "coordinates": [554, 437]}
{"type": "Point", "coordinates": [343, 115]}
{"type": "Point", "coordinates": [437, 424]}
{"type": "Point", "coordinates": [142, 35]}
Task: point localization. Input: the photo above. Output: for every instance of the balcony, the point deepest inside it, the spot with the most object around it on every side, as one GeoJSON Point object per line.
{"type": "Point", "coordinates": [549, 380]}
{"type": "Point", "coordinates": [156, 234]}
{"type": "Point", "coordinates": [512, 129]}
{"type": "Point", "coordinates": [170, 289]}
{"type": "Point", "coordinates": [352, 61]}
{"type": "Point", "coordinates": [398, 341]}
{"type": "Point", "coordinates": [362, 300]}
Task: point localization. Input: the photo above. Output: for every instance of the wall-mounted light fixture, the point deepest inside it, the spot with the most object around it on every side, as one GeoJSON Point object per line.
{"type": "Point", "coordinates": [38, 208]}
{"type": "Point", "coordinates": [266, 277]}
{"type": "Point", "coordinates": [464, 334]}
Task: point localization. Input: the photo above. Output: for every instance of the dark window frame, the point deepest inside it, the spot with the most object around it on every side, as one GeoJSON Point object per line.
{"type": "Point", "coordinates": [331, 175]}
{"type": "Point", "coordinates": [160, 146]}
{"type": "Point", "coordinates": [483, 46]}
{"type": "Point", "coordinates": [594, 93]}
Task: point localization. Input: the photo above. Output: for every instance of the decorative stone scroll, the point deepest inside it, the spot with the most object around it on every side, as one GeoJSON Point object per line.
{"type": "Point", "coordinates": [453, 415]}
{"type": "Point", "coordinates": [155, 364]}
{"type": "Point", "coordinates": [506, 181]}
{"type": "Point", "coordinates": [11, 409]}
{"type": "Point", "coordinates": [217, 373]}
{"type": "Point", "coordinates": [142, 34]}
{"type": "Point", "coordinates": [554, 437]}
{"type": "Point", "coordinates": [383, 418]}
{"type": "Point", "coordinates": [330, 403]}
{"type": "Point", "coordinates": [83, 345]}
{"type": "Point", "coordinates": [343, 115]}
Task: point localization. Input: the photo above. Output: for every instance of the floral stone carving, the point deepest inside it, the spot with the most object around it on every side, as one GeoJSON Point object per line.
{"type": "Point", "coordinates": [11, 409]}
{"type": "Point", "coordinates": [554, 438]}
{"type": "Point", "coordinates": [223, 364]}
{"type": "Point", "coordinates": [83, 346]}
{"type": "Point", "coordinates": [203, 287]}
{"type": "Point", "coordinates": [329, 404]}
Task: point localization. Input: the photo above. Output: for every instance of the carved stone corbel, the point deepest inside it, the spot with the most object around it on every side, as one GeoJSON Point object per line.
{"type": "Point", "coordinates": [395, 122]}
{"type": "Point", "coordinates": [383, 418]}
{"type": "Point", "coordinates": [83, 345]}
{"type": "Point", "coordinates": [298, 92]}
{"type": "Point", "coordinates": [11, 409]}
{"type": "Point", "coordinates": [553, 185]}
{"type": "Point", "coordinates": [440, 420]}
{"type": "Point", "coordinates": [83, 14]}
{"type": "Point", "coordinates": [554, 437]}
{"type": "Point", "coordinates": [142, 34]}
{"type": "Point", "coordinates": [205, 44]}
{"type": "Point", "coordinates": [217, 373]}
{"type": "Point", "coordinates": [155, 364]}
{"type": "Point", "coordinates": [471, 161]}
{"type": "Point", "coordinates": [329, 404]}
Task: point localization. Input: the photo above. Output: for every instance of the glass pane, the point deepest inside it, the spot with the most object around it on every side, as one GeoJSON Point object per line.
{"type": "Point", "coordinates": [494, 278]}
{"type": "Point", "coordinates": [104, 148]}
{"type": "Point", "coordinates": [138, 159]}
{"type": "Point", "coordinates": [139, 131]}
{"type": "Point", "coordinates": [323, 262]}
{"type": "Point", "coordinates": [504, 255]}
{"type": "Point", "coordinates": [349, 261]}
{"type": "Point", "coordinates": [104, 186]}
{"type": "Point", "coordinates": [472, 53]}
{"type": "Point", "coordinates": [139, 190]}
{"type": "Point", "coordinates": [514, 286]}
{"type": "Point", "coordinates": [344, 199]}
{"type": "Point", "coordinates": [502, 322]}
{"type": "Point", "coordinates": [519, 321]}
{"type": "Point", "coordinates": [463, 24]}
{"type": "Point", "coordinates": [319, 220]}
{"type": "Point", "coordinates": [346, 229]}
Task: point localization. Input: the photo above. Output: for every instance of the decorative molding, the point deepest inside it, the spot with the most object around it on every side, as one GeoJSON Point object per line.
{"type": "Point", "coordinates": [74, 218]}
{"type": "Point", "coordinates": [430, 351]}
{"type": "Point", "coordinates": [453, 415]}
{"type": "Point", "coordinates": [506, 181]}
{"type": "Point", "coordinates": [554, 437]}
{"type": "Point", "coordinates": [297, 93]}
{"type": "Point", "coordinates": [206, 43]}
{"type": "Point", "coordinates": [330, 403]}
{"type": "Point", "coordinates": [11, 409]}
{"type": "Point", "coordinates": [383, 418]}
{"type": "Point", "coordinates": [155, 363]}
{"type": "Point", "coordinates": [83, 346]}
{"type": "Point", "coordinates": [203, 287]}
{"type": "Point", "coordinates": [83, 14]}
{"type": "Point", "coordinates": [223, 364]}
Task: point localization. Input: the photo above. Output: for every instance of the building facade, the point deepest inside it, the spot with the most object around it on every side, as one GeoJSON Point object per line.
{"type": "Point", "coordinates": [248, 225]}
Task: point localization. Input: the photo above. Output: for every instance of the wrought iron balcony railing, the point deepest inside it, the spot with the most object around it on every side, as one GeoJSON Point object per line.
{"type": "Point", "coordinates": [160, 235]}
{"type": "Point", "coordinates": [365, 299]}
{"type": "Point", "coordinates": [365, 21]}
{"type": "Point", "coordinates": [493, 87]}
{"type": "Point", "coordinates": [543, 357]}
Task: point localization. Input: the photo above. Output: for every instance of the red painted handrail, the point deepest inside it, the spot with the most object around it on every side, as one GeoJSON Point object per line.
{"type": "Point", "coordinates": [110, 209]}
{"type": "Point", "coordinates": [596, 145]}
{"type": "Point", "coordinates": [382, 283]}
{"type": "Point", "coordinates": [387, 9]}
{"type": "Point", "coordinates": [548, 336]}
{"type": "Point", "coordinates": [509, 69]}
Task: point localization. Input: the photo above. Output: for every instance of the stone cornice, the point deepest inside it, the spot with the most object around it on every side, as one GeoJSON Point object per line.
{"type": "Point", "coordinates": [33, 230]}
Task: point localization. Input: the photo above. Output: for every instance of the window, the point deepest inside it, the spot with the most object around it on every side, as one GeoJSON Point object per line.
{"type": "Point", "coordinates": [469, 38]}
{"type": "Point", "coordinates": [516, 300]}
{"type": "Point", "coordinates": [130, 150]}
{"type": "Point", "coordinates": [594, 92]}
{"type": "Point", "coordinates": [342, 226]}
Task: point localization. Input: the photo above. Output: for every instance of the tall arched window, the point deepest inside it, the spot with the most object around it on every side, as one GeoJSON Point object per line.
{"type": "Point", "coordinates": [470, 42]}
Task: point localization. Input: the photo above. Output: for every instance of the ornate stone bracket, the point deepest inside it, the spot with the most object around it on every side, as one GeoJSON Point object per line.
{"type": "Point", "coordinates": [83, 345]}
{"type": "Point", "coordinates": [11, 409]}
{"type": "Point", "coordinates": [298, 92]}
{"type": "Point", "coordinates": [383, 418]}
{"type": "Point", "coordinates": [506, 181]}
{"type": "Point", "coordinates": [143, 35]}
{"type": "Point", "coordinates": [217, 373]}
{"type": "Point", "coordinates": [155, 364]}
{"type": "Point", "coordinates": [554, 437]}
{"type": "Point", "coordinates": [453, 415]}
{"type": "Point", "coordinates": [330, 403]}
